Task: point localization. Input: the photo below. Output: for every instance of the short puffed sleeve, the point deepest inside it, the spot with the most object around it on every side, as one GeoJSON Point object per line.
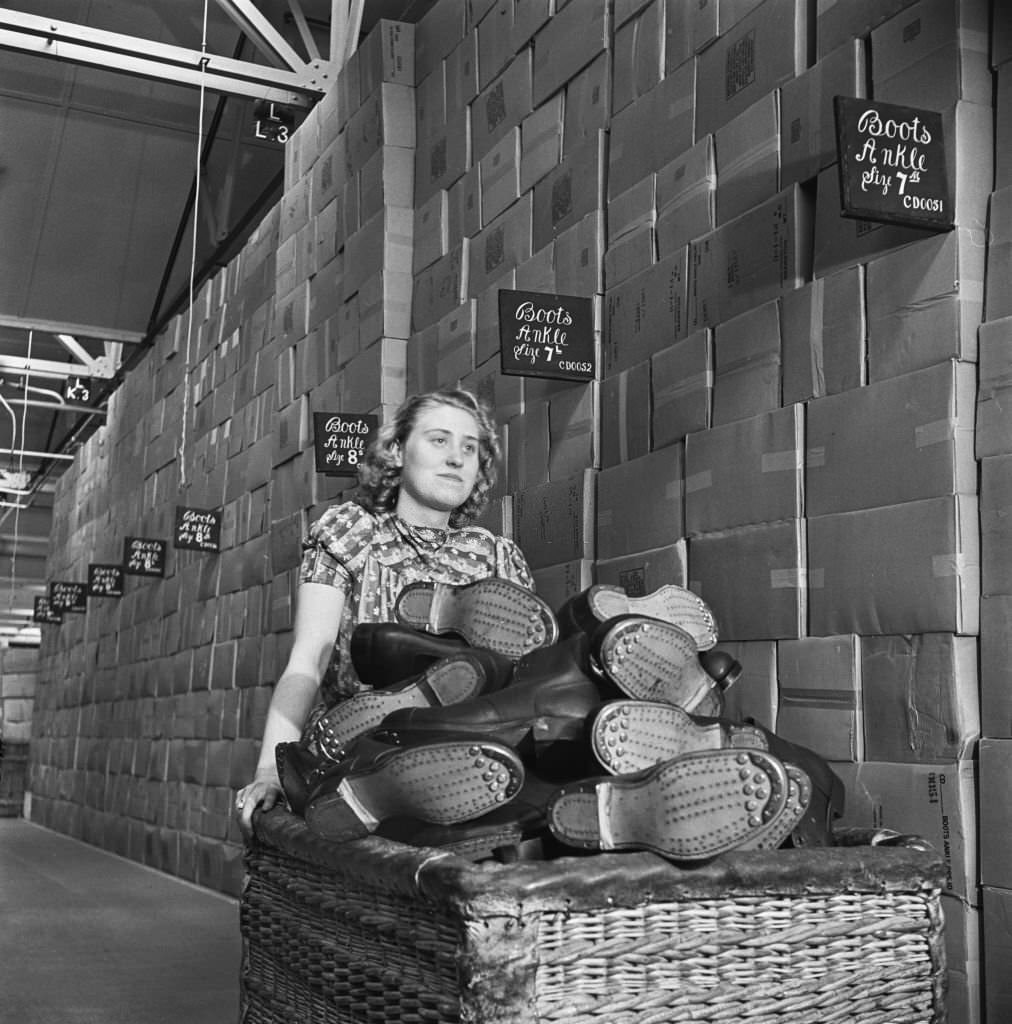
{"type": "Point", "coordinates": [335, 548]}
{"type": "Point", "coordinates": [511, 563]}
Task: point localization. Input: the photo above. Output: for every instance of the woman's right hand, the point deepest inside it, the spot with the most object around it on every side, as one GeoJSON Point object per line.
{"type": "Point", "coordinates": [264, 791]}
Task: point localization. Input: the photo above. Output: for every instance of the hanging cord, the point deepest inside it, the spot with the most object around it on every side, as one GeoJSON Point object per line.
{"type": "Point", "coordinates": [21, 466]}
{"type": "Point", "coordinates": [193, 254]}
{"type": "Point", "coordinates": [14, 432]}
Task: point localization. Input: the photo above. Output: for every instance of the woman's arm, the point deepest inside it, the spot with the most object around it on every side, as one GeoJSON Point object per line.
{"type": "Point", "coordinates": [317, 619]}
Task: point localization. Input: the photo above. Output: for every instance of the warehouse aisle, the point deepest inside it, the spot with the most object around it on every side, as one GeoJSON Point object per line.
{"type": "Point", "coordinates": [87, 937]}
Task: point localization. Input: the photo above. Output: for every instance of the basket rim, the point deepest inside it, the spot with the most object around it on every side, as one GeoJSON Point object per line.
{"type": "Point", "coordinates": [627, 879]}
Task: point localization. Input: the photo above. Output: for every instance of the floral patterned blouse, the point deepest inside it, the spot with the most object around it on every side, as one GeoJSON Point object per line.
{"type": "Point", "coordinates": [372, 556]}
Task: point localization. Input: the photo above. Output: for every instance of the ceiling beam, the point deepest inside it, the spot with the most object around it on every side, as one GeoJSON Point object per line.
{"type": "Point", "coordinates": [23, 323]}
{"type": "Point", "coordinates": [102, 368]}
{"type": "Point", "coordinates": [262, 34]}
{"type": "Point", "coordinates": [305, 33]}
{"type": "Point", "coordinates": [145, 58]}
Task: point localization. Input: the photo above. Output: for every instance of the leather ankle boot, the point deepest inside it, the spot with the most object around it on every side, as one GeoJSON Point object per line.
{"type": "Point", "coordinates": [455, 779]}
{"type": "Point", "coordinates": [629, 736]}
{"type": "Point", "coordinates": [669, 603]}
{"type": "Point", "coordinates": [549, 699]}
{"type": "Point", "coordinates": [520, 820]}
{"type": "Point", "coordinates": [387, 652]}
{"type": "Point", "coordinates": [828, 793]}
{"type": "Point", "coordinates": [690, 808]}
{"type": "Point", "coordinates": [648, 659]}
{"type": "Point", "coordinates": [461, 676]}
{"type": "Point", "coordinates": [298, 771]}
{"type": "Point", "coordinates": [492, 612]}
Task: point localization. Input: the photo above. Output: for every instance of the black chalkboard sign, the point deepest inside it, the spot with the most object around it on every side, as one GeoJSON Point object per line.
{"type": "Point", "coordinates": [105, 580]}
{"type": "Point", "coordinates": [340, 440]}
{"type": "Point", "coordinates": [143, 556]}
{"type": "Point", "coordinates": [198, 529]}
{"type": "Point", "coordinates": [44, 611]}
{"type": "Point", "coordinates": [545, 335]}
{"type": "Point", "coordinates": [68, 596]}
{"type": "Point", "coordinates": [892, 164]}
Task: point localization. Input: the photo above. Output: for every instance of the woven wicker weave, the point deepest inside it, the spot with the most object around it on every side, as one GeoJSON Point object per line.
{"type": "Point", "coordinates": [375, 931]}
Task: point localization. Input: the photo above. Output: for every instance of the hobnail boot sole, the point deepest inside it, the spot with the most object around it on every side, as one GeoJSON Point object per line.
{"type": "Point", "coordinates": [656, 661]}
{"type": "Point", "coordinates": [449, 681]}
{"type": "Point", "coordinates": [442, 783]}
{"type": "Point", "coordinates": [491, 613]}
{"type": "Point", "coordinates": [781, 825]}
{"type": "Point", "coordinates": [669, 603]}
{"type": "Point", "coordinates": [691, 808]}
{"type": "Point", "coordinates": [629, 735]}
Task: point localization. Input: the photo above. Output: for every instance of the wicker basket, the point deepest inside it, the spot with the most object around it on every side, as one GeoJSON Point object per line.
{"type": "Point", "coordinates": [376, 931]}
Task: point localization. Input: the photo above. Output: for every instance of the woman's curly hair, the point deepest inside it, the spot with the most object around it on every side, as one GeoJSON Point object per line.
{"type": "Point", "coordinates": [379, 476]}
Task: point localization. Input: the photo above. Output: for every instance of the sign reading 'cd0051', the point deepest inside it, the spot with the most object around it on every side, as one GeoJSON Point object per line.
{"type": "Point", "coordinates": [892, 164]}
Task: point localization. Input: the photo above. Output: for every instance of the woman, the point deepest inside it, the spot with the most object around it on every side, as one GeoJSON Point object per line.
{"type": "Point", "coordinates": [425, 478]}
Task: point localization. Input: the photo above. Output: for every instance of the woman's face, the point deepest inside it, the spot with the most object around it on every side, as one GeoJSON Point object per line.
{"type": "Point", "coordinates": [439, 463]}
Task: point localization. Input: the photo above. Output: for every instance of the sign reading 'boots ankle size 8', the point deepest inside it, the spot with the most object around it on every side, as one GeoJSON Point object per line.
{"type": "Point", "coordinates": [68, 596]}
{"type": "Point", "coordinates": [892, 164]}
{"type": "Point", "coordinates": [144, 556]}
{"type": "Point", "coordinates": [340, 440]}
{"type": "Point", "coordinates": [105, 580]}
{"type": "Point", "coordinates": [546, 335]}
{"type": "Point", "coordinates": [198, 529]}
{"type": "Point", "coordinates": [45, 612]}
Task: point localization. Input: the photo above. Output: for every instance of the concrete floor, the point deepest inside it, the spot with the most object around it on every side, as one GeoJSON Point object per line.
{"type": "Point", "coordinates": [87, 937]}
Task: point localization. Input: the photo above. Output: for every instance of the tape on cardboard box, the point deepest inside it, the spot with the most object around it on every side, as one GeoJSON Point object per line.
{"type": "Point", "coordinates": [656, 518]}
{"type": "Point", "coordinates": [501, 106]}
{"type": "Point", "coordinates": [645, 314]}
{"type": "Point", "coordinates": [636, 147]}
{"type": "Point", "coordinates": [636, 57]}
{"type": "Point", "coordinates": [682, 387]}
{"type": "Point", "coordinates": [635, 252]}
{"type": "Point", "coordinates": [540, 142]}
{"type": "Point", "coordinates": [748, 158]}
{"type": "Point", "coordinates": [753, 578]}
{"type": "Point", "coordinates": [500, 247]}
{"type": "Point", "coordinates": [588, 102]}
{"type": "Point", "coordinates": [579, 266]}
{"type": "Point", "coordinates": [751, 469]}
{"type": "Point", "coordinates": [763, 50]}
{"type": "Point", "coordinates": [566, 195]}
{"type": "Point", "coordinates": [625, 415]}
{"type": "Point", "coordinates": [893, 441]}
{"type": "Point", "coordinates": [908, 568]}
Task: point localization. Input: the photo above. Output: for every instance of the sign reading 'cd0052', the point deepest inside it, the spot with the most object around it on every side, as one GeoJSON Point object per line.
{"type": "Point", "coordinates": [546, 335]}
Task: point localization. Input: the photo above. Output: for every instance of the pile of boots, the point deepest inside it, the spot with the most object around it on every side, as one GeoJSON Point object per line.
{"type": "Point", "coordinates": [600, 727]}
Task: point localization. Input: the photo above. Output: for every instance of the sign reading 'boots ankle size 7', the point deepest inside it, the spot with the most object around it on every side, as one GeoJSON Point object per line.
{"type": "Point", "coordinates": [892, 164]}
{"type": "Point", "coordinates": [547, 335]}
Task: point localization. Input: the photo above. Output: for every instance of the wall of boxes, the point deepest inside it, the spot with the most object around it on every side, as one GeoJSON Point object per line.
{"type": "Point", "coordinates": [787, 417]}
